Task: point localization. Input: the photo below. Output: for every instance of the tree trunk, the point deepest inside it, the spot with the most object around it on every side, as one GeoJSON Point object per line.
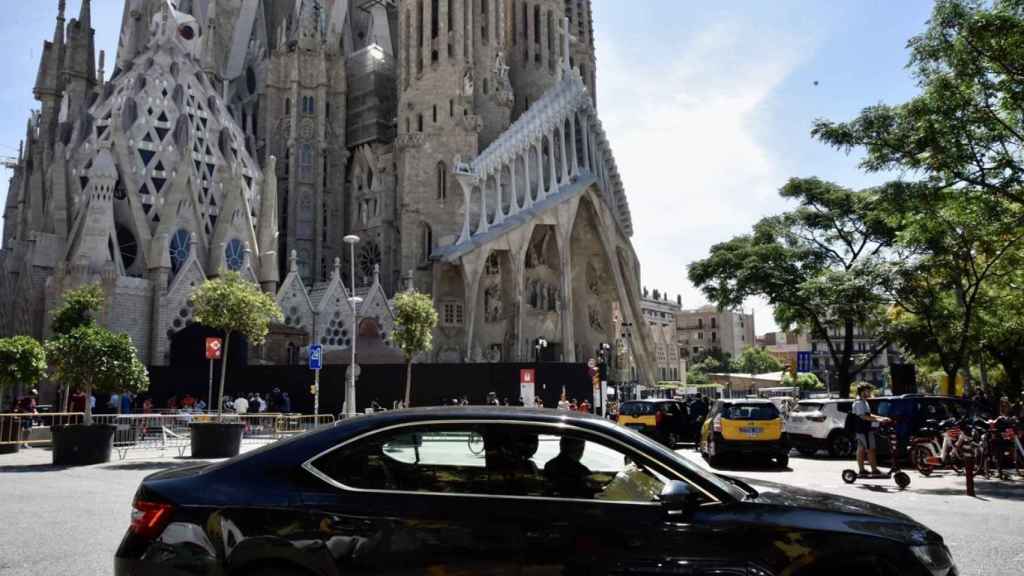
{"type": "Point", "coordinates": [87, 420]}
{"type": "Point", "coordinates": [1013, 374]}
{"type": "Point", "coordinates": [951, 381]}
{"type": "Point", "coordinates": [223, 373]}
{"type": "Point", "coordinates": [408, 383]}
{"type": "Point", "coordinates": [845, 378]}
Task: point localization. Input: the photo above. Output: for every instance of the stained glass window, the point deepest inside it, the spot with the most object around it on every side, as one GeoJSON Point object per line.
{"type": "Point", "coordinates": [234, 254]}
{"type": "Point", "coordinates": [180, 247]}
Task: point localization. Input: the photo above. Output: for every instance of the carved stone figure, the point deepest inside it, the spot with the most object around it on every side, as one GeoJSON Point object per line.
{"type": "Point", "coordinates": [492, 304]}
{"type": "Point", "coordinates": [594, 316]}
{"type": "Point", "coordinates": [467, 83]}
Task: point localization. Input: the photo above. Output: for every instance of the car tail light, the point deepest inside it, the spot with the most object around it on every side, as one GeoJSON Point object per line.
{"type": "Point", "coordinates": [658, 417]}
{"type": "Point", "coordinates": [150, 518]}
{"type": "Point", "coordinates": [816, 418]}
{"type": "Point", "coordinates": [716, 424]}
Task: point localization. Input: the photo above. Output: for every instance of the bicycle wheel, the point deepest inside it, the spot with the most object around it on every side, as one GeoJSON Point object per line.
{"type": "Point", "coordinates": [475, 443]}
{"type": "Point", "coordinates": [919, 457]}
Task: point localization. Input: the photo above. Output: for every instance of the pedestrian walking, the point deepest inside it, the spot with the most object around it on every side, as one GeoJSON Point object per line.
{"type": "Point", "coordinates": [584, 406]}
{"type": "Point", "coordinates": [865, 433]}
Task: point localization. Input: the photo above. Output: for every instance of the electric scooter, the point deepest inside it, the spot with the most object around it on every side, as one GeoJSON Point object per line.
{"type": "Point", "coordinates": [901, 478]}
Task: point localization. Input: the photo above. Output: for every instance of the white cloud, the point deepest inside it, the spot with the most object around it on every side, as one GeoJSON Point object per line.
{"type": "Point", "coordinates": [683, 132]}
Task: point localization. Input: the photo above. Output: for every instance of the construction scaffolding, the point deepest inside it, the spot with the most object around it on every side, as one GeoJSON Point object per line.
{"type": "Point", "coordinates": [372, 96]}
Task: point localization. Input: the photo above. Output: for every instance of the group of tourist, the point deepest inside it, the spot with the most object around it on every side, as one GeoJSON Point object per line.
{"type": "Point", "coordinates": [255, 403]}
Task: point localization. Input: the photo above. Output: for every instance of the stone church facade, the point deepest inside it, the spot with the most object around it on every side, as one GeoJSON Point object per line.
{"type": "Point", "coordinates": [458, 139]}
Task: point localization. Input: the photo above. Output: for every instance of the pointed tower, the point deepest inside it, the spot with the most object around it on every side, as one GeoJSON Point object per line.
{"type": "Point", "coordinates": [440, 97]}
{"type": "Point", "coordinates": [92, 238]}
{"type": "Point", "coordinates": [80, 60]}
{"type": "Point", "coordinates": [536, 48]}
{"type": "Point", "coordinates": [268, 272]}
{"type": "Point", "coordinates": [303, 122]}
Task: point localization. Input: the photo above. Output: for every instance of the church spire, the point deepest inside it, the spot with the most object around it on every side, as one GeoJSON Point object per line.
{"type": "Point", "coordinates": [58, 31]}
{"type": "Point", "coordinates": [85, 14]}
{"type": "Point", "coordinates": [309, 24]}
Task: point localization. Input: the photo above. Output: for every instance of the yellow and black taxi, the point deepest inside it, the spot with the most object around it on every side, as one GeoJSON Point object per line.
{"type": "Point", "coordinates": [667, 421]}
{"type": "Point", "coordinates": [744, 427]}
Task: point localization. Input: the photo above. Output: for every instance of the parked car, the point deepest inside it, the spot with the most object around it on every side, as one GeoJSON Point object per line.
{"type": "Point", "coordinates": [667, 421]}
{"type": "Point", "coordinates": [749, 427]}
{"type": "Point", "coordinates": [912, 411]}
{"type": "Point", "coordinates": [552, 493]}
{"type": "Point", "coordinates": [815, 425]}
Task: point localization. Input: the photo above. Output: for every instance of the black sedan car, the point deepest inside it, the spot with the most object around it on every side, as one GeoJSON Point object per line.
{"type": "Point", "coordinates": [500, 491]}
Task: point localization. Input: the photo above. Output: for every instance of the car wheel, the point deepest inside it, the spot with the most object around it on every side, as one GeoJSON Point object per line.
{"type": "Point", "coordinates": [782, 460]}
{"type": "Point", "coordinates": [840, 445]}
{"type": "Point", "coordinates": [807, 452]}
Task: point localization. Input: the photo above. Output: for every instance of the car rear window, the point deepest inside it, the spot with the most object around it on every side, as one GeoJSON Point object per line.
{"type": "Point", "coordinates": [844, 407]}
{"type": "Point", "coordinates": [638, 408]}
{"type": "Point", "coordinates": [801, 407]}
{"type": "Point", "coordinates": [750, 412]}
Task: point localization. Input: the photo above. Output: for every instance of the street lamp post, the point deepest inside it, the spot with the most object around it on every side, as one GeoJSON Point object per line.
{"type": "Point", "coordinates": [602, 368]}
{"type": "Point", "coordinates": [350, 388]}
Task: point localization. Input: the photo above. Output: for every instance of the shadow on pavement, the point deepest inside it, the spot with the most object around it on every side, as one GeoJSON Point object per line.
{"type": "Point", "coordinates": [749, 467]}
{"type": "Point", "coordinates": [16, 468]}
{"type": "Point", "coordinates": [152, 465]}
{"type": "Point", "coordinates": [984, 491]}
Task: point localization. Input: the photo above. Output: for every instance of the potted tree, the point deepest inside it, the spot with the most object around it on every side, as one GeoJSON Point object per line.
{"type": "Point", "coordinates": [415, 319]}
{"type": "Point", "coordinates": [91, 358]}
{"type": "Point", "coordinates": [22, 361]}
{"type": "Point", "coordinates": [236, 306]}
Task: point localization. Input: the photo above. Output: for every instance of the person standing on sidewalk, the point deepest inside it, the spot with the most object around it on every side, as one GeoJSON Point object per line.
{"type": "Point", "coordinates": [865, 435]}
{"type": "Point", "coordinates": [27, 405]}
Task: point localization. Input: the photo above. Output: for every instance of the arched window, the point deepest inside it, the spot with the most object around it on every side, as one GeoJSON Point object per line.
{"type": "Point", "coordinates": [426, 242]}
{"type": "Point", "coordinates": [287, 106]}
{"type": "Point", "coordinates": [306, 161]}
{"type": "Point", "coordinates": [181, 246]}
{"type": "Point", "coordinates": [234, 255]}
{"type": "Point", "coordinates": [442, 181]}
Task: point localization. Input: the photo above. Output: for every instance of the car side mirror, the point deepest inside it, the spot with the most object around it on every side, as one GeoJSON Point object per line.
{"type": "Point", "coordinates": [678, 500]}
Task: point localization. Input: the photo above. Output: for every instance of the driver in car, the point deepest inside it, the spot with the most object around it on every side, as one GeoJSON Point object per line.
{"type": "Point", "coordinates": [566, 476]}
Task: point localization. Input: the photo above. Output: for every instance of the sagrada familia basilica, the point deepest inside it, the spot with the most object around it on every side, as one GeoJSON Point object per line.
{"type": "Point", "coordinates": [458, 139]}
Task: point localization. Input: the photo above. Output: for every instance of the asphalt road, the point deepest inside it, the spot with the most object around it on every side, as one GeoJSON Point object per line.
{"type": "Point", "coordinates": [69, 521]}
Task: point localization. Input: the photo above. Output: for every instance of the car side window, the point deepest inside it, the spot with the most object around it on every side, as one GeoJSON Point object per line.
{"type": "Point", "coordinates": [498, 460]}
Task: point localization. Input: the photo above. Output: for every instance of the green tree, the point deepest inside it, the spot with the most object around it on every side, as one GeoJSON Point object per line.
{"type": "Point", "coordinates": [820, 265]}
{"type": "Point", "coordinates": [756, 360]}
{"type": "Point", "coordinates": [966, 127]}
{"type": "Point", "coordinates": [1001, 323]}
{"type": "Point", "coordinates": [415, 319]}
{"type": "Point", "coordinates": [949, 246]}
{"type": "Point", "coordinates": [78, 308]}
{"type": "Point", "coordinates": [805, 381]}
{"type": "Point", "coordinates": [235, 305]}
{"type": "Point", "coordinates": [22, 361]}
{"type": "Point", "coordinates": [92, 358]}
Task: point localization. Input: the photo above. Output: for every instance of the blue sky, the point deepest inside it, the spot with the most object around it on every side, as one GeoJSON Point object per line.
{"type": "Point", "coordinates": [708, 105]}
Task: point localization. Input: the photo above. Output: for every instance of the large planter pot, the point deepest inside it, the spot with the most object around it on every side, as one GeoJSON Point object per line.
{"type": "Point", "coordinates": [80, 445]}
{"type": "Point", "coordinates": [216, 439]}
{"type": "Point", "coordinates": [10, 429]}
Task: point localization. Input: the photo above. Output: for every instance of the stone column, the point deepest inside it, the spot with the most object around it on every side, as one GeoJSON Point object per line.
{"type": "Point", "coordinates": [527, 201]}
{"type": "Point", "coordinates": [499, 210]}
{"type": "Point", "coordinates": [568, 325]}
{"type": "Point", "coordinates": [565, 152]}
{"type": "Point", "coordinates": [512, 186]}
{"type": "Point", "coordinates": [466, 183]}
{"type": "Point", "coordinates": [575, 151]}
{"type": "Point", "coordinates": [482, 227]}
{"type": "Point", "coordinates": [551, 161]}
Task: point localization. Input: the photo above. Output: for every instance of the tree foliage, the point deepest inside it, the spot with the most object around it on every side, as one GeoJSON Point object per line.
{"type": "Point", "coordinates": [819, 266]}
{"type": "Point", "coordinates": [233, 304]}
{"type": "Point", "coordinates": [92, 358]}
{"type": "Point", "coordinates": [755, 360]}
{"type": "Point", "coordinates": [415, 319]}
{"type": "Point", "coordinates": [22, 361]}
{"type": "Point", "coordinates": [78, 308]}
{"type": "Point", "coordinates": [805, 381]}
{"type": "Point", "coordinates": [966, 127]}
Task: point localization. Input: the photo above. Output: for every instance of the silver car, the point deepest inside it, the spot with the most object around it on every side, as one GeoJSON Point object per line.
{"type": "Point", "coordinates": [815, 425]}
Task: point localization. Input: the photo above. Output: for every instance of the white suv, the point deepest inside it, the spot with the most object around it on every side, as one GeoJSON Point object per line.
{"type": "Point", "coordinates": [820, 424]}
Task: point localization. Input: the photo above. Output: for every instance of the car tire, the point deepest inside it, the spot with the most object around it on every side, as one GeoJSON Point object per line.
{"type": "Point", "coordinates": [782, 460]}
{"type": "Point", "coordinates": [840, 445]}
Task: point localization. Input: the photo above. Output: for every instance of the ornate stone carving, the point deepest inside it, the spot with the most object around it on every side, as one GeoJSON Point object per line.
{"type": "Point", "coordinates": [493, 305]}
{"type": "Point", "coordinates": [594, 317]}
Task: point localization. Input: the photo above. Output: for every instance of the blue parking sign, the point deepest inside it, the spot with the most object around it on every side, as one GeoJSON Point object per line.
{"type": "Point", "coordinates": [803, 361]}
{"type": "Point", "coordinates": [316, 357]}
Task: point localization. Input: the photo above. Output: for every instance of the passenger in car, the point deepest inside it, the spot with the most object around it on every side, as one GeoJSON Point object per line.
{"type": "Point", "coordinates": [565, 475]}
{"type": "Point", "coordinates": [509, 460]}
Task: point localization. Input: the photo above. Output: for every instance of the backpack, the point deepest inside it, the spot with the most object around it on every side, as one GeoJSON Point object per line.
{"type": "Point", "coordinates": [852, 425]}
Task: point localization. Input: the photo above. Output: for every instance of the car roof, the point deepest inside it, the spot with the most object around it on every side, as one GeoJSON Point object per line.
{"type": "Point", "coordinates": [745, 401]}
{"type": "Point", "coordinates": [825, 400]}
{"type": "Point", "coordinates": [650, 401]}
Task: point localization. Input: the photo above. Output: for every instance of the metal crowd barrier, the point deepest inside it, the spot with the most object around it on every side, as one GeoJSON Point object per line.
{"type": "Point", "coordinates": [160, 432]}
{"type": "Point", "coordinates": [33, 429]}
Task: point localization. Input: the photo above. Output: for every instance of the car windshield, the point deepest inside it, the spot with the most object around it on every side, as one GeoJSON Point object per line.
{"type": "Point", "coordinates": [750, 412]}
{"type": "Point", "coordinates": [808, 407]}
